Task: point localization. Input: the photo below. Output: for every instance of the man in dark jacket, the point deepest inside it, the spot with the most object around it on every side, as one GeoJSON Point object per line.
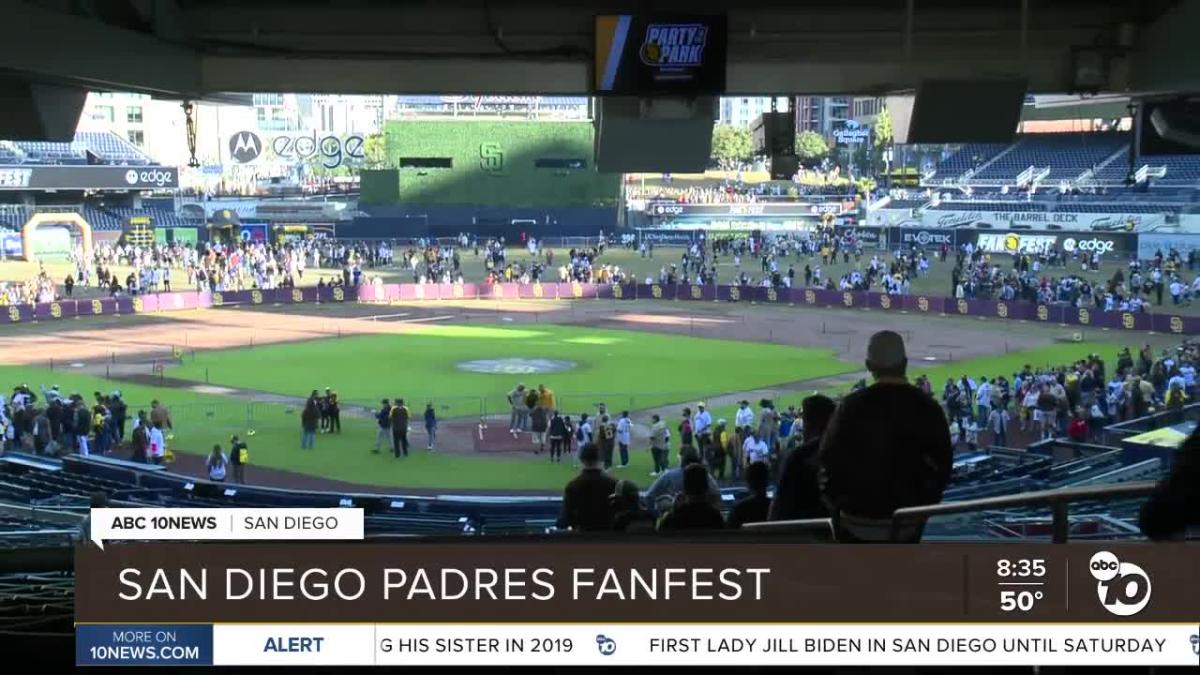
{"type": "Point", "coordinates": [886, 448]}
{"type": "Point", "coordinates": [693, 510]}
{"type": "Point", "coordinates": [752, 509]}
{"type": "Point", "coordinates": [383, 419]}
{"type": "Point", "coordinates": [799, 493]}
{"type": "Point", "coordinates": [586, 499]}
{"type": "Point", "coordinates": [141, 438]}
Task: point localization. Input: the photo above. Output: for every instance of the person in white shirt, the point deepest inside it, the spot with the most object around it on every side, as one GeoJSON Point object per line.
{"type": "Point", "coordinates": [217, 464]}
{"type": "Point", "coordinates": [983, 400]}
{"type": "Point", "coordinates": [744, 420]}
{"type": "Point", "coordinates": [158, 449]}
{"type": "Point", "coordinates": [755, 450]}
{"type": "Point", "coordinates": [624, 429]}
{"type": "Point", "coordinates": [702, 424]}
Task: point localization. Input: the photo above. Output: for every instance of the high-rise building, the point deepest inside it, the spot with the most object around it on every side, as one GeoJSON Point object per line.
{"type": "Point", "coordinates": [740, 111]}
{"type": "Point", "coordinates": [821, 114]}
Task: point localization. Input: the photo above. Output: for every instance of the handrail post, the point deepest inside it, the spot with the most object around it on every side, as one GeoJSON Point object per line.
{"type": "Point", "coordinates": [1061, 521]}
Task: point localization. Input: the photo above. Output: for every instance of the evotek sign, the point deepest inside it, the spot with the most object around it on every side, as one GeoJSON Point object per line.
{"type": "Point", "coordinates": [926, 238]}
{"type": "Point", "coordinates": [247, 146]}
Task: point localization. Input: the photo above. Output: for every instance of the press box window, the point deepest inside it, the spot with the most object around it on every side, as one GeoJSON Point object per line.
{"type": "Point", "coordinates": [426, 163]}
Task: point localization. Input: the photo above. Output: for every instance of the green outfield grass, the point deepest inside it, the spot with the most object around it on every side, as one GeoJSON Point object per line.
{"type": "Point", "coordinates": [204, 419]}
{"type": "Point", "coordinates": [622, 368]}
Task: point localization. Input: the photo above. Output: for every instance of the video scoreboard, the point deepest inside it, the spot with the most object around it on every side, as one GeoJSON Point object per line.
{"type": "Point", "coordinates": [300, 587]}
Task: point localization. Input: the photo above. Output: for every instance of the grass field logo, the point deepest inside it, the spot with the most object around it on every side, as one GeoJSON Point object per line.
{"type": "Point", "coordinates": [491, 158]}
{"type": "Point", "coordinates": [516, 366]}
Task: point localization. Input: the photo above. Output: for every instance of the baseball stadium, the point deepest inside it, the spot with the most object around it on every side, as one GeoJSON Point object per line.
{"type": "Point", "coordinates": [454, 311]}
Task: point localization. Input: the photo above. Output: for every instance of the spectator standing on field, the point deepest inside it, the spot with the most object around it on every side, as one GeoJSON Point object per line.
{"type": "Point", "coordinates": [430, 426]}
{"type": "Point", "coordinates": [560, 437]}
{"type": "Point", "coordinates": [217, 465]}
{"type": "Point", "coordinates": [383, 419]}
{"type": "Point", "coordinates": [400, 418]}
{"type": "Point", "coordinates": [624, 431]}
{"type": "Point", "coordinates": [658, 445]}
{"type": "Point", "coordinates": [239, 457]}
{"type": "Point", "coordinates": [309, 419]}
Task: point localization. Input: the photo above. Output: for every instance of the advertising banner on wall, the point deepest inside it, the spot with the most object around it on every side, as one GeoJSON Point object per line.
{"type": "Point", "coordinates": [1063, 219]}
{"type": "Point", "coordinates": [1042, 241]}
{"type": "Point", "coordinates": [908, 237]}
{"type": "Point", "coordinates": [1150, 244]}
{"type": "Point", "coordinates": [52, 177]}
{"type": "Point", "coordinates": [870, 237]}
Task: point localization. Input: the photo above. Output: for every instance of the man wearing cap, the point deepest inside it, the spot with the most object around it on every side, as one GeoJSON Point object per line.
{"type": "Point", "coordinates": [886, 448]}
{"type": "Point", "coordinates": [702, 426]}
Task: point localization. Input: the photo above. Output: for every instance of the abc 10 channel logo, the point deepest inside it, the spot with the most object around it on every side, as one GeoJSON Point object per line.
{"type": "Point", "coordinates": [1123, 588]}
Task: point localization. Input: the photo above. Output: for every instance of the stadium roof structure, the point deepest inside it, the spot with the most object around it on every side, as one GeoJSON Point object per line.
{"type": "Point", "coordinates": [198, 48]}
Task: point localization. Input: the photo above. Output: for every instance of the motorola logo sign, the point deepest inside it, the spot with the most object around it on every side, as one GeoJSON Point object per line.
{"type": "Point", "coordinates": [1071, 245]}
{"type": "Point", "coordinates": [245, 146]}
{"type": "Point", "coordinates": [155, 177]}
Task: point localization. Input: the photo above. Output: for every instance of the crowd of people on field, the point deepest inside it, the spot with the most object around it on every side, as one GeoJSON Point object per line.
{"type": "Point", "coordinates": [881, 447]}
{"type": "Point", "coordinates": [55, 424]}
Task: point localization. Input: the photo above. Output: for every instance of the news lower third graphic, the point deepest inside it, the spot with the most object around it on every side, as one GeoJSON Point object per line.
{"type": "Point", "coordinates": [283, 587]}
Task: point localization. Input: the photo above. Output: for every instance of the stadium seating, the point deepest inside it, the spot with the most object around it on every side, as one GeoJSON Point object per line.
{"type": "Point", "coordinates": [1066, 155]}
{"type": "Point", "coordinates": [968, 157]}
{"type": "Point", "coordinates": [89, 147]}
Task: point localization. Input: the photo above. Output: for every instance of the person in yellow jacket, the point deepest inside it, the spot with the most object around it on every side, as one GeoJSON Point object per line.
{"type": "Point", "coordinates": [546, 399]}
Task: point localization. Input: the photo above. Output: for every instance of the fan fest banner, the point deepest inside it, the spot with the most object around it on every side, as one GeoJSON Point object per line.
{"type": "Point", "coordinates": [796, 297]}
{"type": "Point", "coordinates": [566, 601]}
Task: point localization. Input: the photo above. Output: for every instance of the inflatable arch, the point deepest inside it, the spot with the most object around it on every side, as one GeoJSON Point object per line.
{"type": "Point", "coordinates": [38, 219]}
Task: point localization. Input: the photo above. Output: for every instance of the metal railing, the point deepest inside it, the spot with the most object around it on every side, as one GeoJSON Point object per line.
{"type": "Point", "coordinates": [1059, 502]}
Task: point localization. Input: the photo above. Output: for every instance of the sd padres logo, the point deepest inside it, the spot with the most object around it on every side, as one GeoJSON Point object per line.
{"type": "Point", "coordinates": [617, 292]}
{"type": "Point", "coordinates": [1084, 316]}
{"type": "Point", "coordinates": [297, 295]}
{"type": "Point", "coordinates": [97, 308]}
{"type": "Point", "coordinates": [339, 294]}
{"type": "Point", "coordinates": [577, 289]}
{"type": "Point", "coordinates": [962, 306]}
{"type": "Point", "coordinates": [1176, 324]}
{"type": "Point", "coordinates": [1001, 310]}
{"type": "Point", "coordinates": [923, 304]}
{"type": "Point", "coordinates": [735, 293]}
{"type": "Point", "coordinates": [810, 297]}
{"type": "Point", "coordinates": [772, 295]}
{"type": "Point", "coordinates": [847, 299]}
{"type": "Point", "coordinates": [56, 309]}
{"type": "Point", "coordinates": [696, 292]}
{"type": "Point", "coordinates": [537, 291]}
{"type": "Point", "coordinates": [1127, 320]}
{"type": "Point", "coordinates": [14, 314]}
{"type": "Point", "coordinates": [885, 301]}
{"type": "Point", "coordinates": [1043, 313]}
{"type": "Point", "coordinates": [656, 291]}
{"type": "Point", "coordinates": [218, 299]}
{"type": "Point", "coordinates": [256, 297]}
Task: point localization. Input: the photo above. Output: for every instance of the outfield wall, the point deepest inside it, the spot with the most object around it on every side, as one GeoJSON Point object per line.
{"type": "Point", "coordinates": [852, 300]}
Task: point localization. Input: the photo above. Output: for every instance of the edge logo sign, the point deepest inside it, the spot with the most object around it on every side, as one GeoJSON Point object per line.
{"type": "Point", "coordinates": [246, 146]}
{"type": "Point", "coordinates": [1071, 244]}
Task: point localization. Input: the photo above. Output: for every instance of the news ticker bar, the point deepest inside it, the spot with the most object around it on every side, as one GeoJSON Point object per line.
{"type": "Point", "coordinates": [731, 644]}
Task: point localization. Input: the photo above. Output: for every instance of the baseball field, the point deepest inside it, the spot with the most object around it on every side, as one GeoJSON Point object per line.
{"type": "Point", "coordinates": [246, 371]}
